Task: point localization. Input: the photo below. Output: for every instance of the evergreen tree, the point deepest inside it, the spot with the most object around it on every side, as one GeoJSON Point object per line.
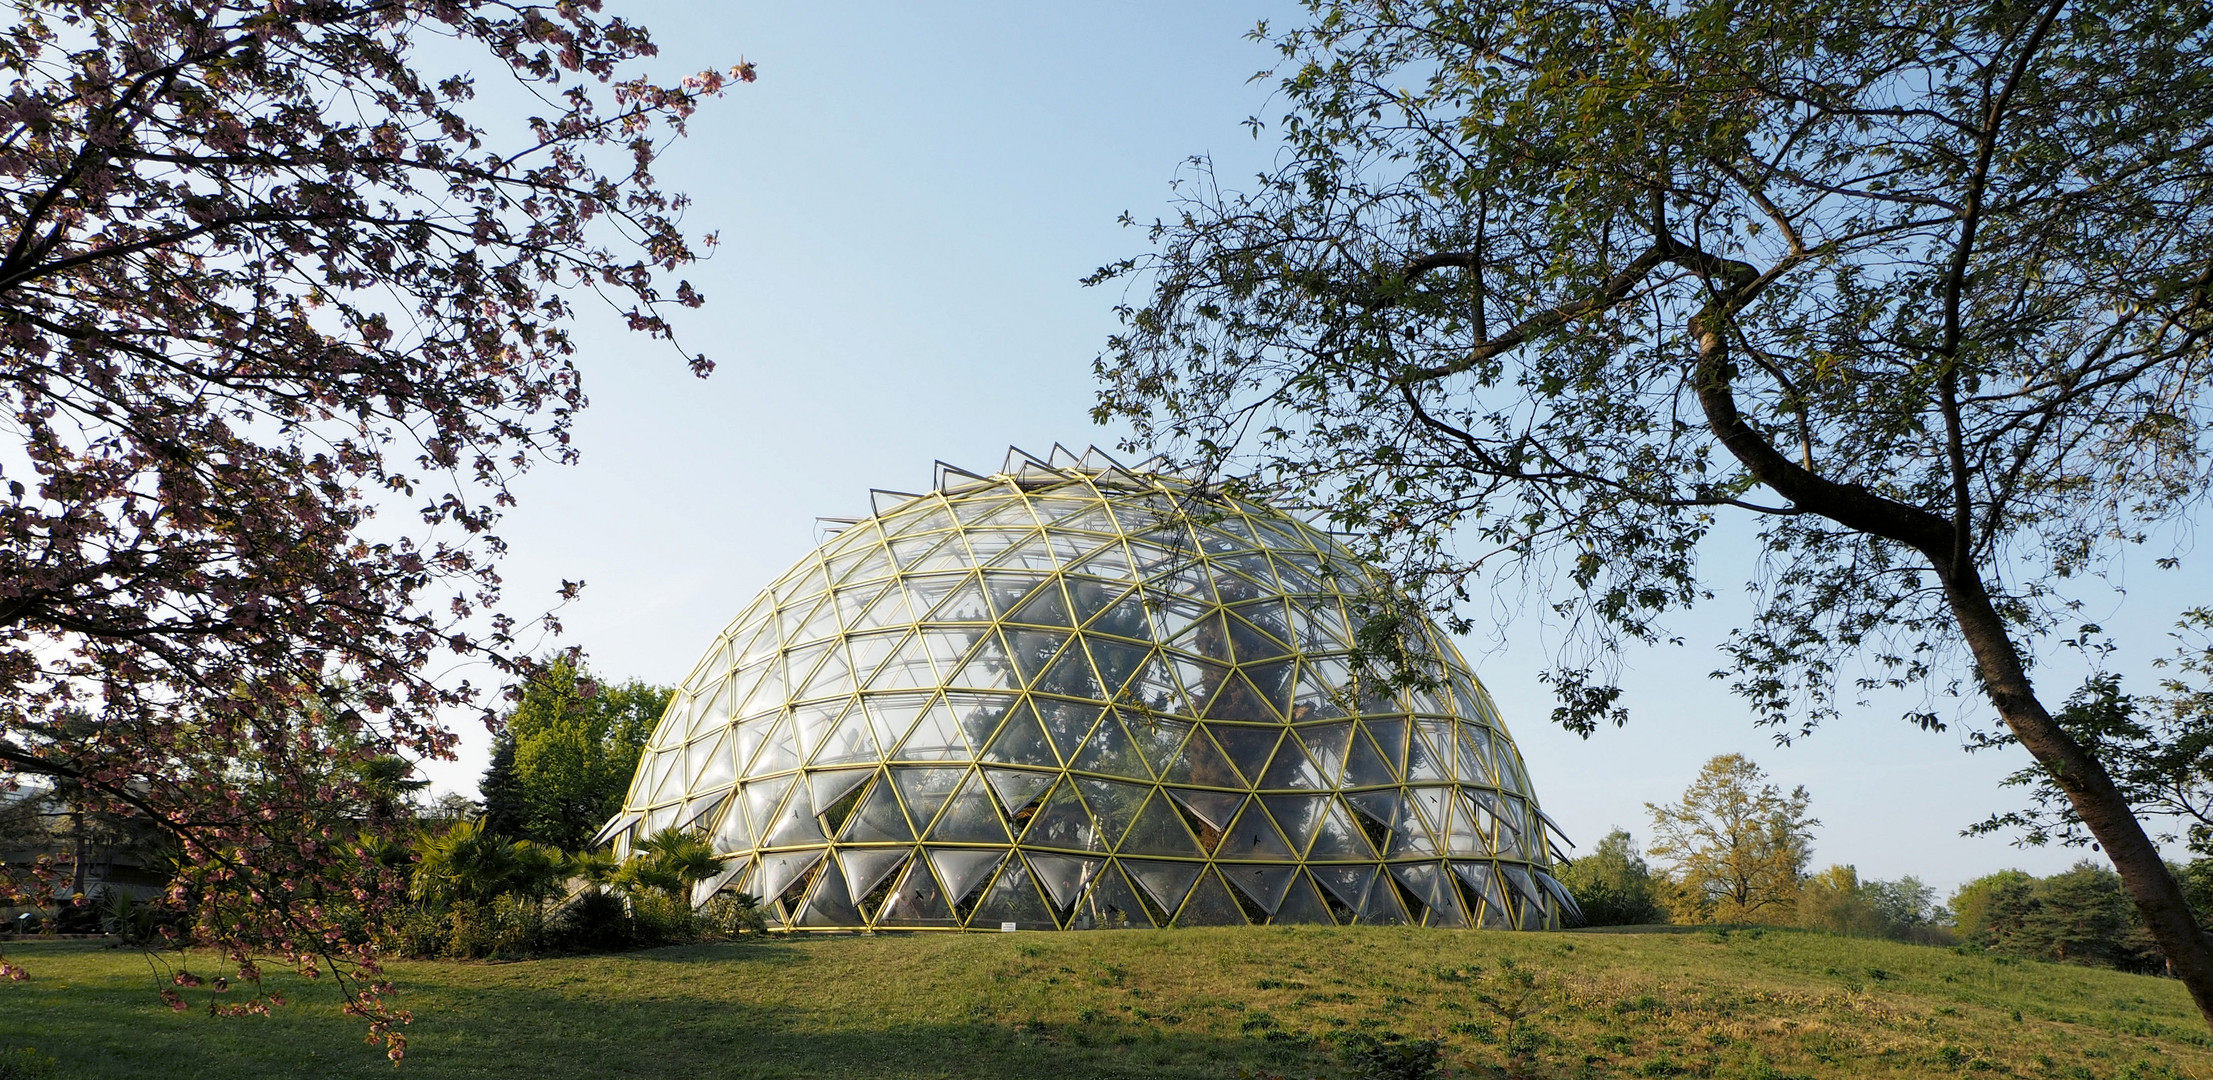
{"type": "Point", "coordinates": [502, 790]}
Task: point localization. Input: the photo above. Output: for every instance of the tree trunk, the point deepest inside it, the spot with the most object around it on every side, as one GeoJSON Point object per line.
{"type": "Point", "coordinates": [2089, 788]}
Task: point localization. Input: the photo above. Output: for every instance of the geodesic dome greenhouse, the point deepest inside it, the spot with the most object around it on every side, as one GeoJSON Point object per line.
{"type": "Point", "coordinates": [1076, 695]}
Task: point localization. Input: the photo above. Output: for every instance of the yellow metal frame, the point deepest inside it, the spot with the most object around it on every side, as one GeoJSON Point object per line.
{"type": "Point", "coordinates": [1076, 695]}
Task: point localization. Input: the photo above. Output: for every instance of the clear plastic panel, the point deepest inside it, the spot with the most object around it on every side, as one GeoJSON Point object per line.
{"type": "Point", "coordinates": [969, 818]}
{"type": "Point", "coordinates": [1111, 751]}
{"type": "Point", "coordinates": [1116, 661]}
{"type": "Point", "coordinates": [869, 651]}
{"type": "Point", "coordinates": [1060, 822]}
{"type": "Point", "coordinates": [1389, 734]}
{"type": "Point", "coordinates": [779, 750]}
{"type": "Point", "coordinates": [1158, 737]}
{"type": "Point", "coordinates": [1239, 700]}
{"type": "Point", "coordinates": [1339, 837]}
{"type": "Point", "coordinates": [1253, 836]}
{"type": "Point", "coordinates": [1298, 816]}
{"type": "Point", "coordinates": [1066, 723]}
{"type": "Point", "coordinates": [1113, 805]}
{"type": "Point", "coordinates": [1065, 877]}
{"type": "Point", "coordinates": [879, 820]}
{"type": "Point", "coordinates": [1313, 699]}
{"type": "Point", "coordinates": [1070, 675]}
{"type": "Point", "coordinates": [1214, 808]}
{"type": "Point", "coordinates": [853, 740]}
{"type": "Point", "coordinates": [963, 870]}
{"type": "Point", "coordinates": [709, 762]}
{"type": "Point", "coordinates": [866, 868]}
{"type": "Point", "coordinates": [1291, 771]}
{"type": "Point", "coordinates": [924, 790]}
{"type": "Point", "coordinates": [830, 905]}
{"type": "Point", "coordinates": [779, 871]}
{"type": "Point", "coordinates": [1210, 904]}
{"type": "Point", "coordinates": [1112, 904]}
{"type": "Point", "coordinates": [988, 668]}
{"type": "Point", "coordinates": [941, 598]}
{"type": "Point", "coordinates": [1153, 688]}
{"type": "Point", "coordinates": [1302, 904]}
{"type": "Point", "coordinates": [1045, 607]}
{"type": "Point", "coordinates": [1017, 788]}
{"type": "Point", "coordinates": [1263, 886]}
{"type": "Point", "coordinates": [1009, 589]}
{"type": "Point", "coordinates": [908, 668]}
{"type": "Point", "coordinates": [1021, 741]}
{"type": "Point", "coordinates": [1366, 767]}
{"type": "Point", "coordinates": [813, 722]}
{"type": "Point", "coordinates": [1248, 748]}
{"type": "Point", "coordinates": [1202, 763]}
{"type": "Point", "coordinates": [935, 736]}
{"type": "Point", "coordinates": [1014, 898]}
{"type": "Point", "coordinates": [1158, 830]}
{"type": "Point", "coordinates": [796, 825]}
{"type": "Point", "coordinates": [916, 900]}
{"type": "Point", "coordinates": [1167, 883]}
{"type": "Point", "coordinates": [1032, 650]}
{"type": "Point", "coordinates": [827, 787]}
{"type": "Point", "coordinates": [1423, 762]}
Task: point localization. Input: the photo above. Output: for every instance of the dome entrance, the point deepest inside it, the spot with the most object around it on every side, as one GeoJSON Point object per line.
{"type": "Point", "coordinates": [1073, 696]}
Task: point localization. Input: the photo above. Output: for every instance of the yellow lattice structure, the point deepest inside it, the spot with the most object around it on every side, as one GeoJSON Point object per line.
{"type": "Point", "coordinates": [1076, 695]}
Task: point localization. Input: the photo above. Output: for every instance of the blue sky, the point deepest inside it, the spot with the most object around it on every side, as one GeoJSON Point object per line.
{"type": "Point", "coordinates": [906, 200]}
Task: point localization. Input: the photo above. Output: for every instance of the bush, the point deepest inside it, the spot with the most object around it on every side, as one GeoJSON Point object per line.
{"type": "Point", "coordinates": [1392, 1057]}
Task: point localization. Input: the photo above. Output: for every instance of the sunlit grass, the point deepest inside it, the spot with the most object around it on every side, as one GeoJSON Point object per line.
{"type": "Point", "coordinates": [1191, 1003]}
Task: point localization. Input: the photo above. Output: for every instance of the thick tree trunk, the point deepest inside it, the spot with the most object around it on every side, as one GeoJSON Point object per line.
{"type": "Point", "coordinates": [2089, 788]}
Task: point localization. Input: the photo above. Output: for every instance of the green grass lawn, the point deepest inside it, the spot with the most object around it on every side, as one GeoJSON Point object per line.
{"type": "Point", "coordinates": [1180, 1003]}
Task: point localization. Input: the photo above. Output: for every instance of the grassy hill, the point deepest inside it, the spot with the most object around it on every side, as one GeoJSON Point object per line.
{"type": "Point", "coordinates": [1186, 1003]}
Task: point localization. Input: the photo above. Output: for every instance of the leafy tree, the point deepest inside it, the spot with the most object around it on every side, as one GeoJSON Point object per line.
{"type": "Point", "coordinates": [2081, 916]}
{"type": "Point", "coordinates": [561, 766]}
{"type": "Point", "coordinates": [670, 862]}
{"type": "Point", "coordinates": [468, 864]}
{"type": "Point", "coordinates": [267, 271]}
{"type": "Point", "coordinates": [1612, 884]}
{"type": "Point", "coordinates": [1834, 900]}
{"type": "Point", "coordinates": [1543, 291]}
{"type": "Point", "coordinates": [1736, 845]}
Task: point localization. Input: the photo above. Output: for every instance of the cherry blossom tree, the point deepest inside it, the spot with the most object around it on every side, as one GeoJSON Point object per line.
{"type": "Point", "coordinates": [282, 317]}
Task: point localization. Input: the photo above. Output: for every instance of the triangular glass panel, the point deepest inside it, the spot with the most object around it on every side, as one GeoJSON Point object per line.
{"type": "Point", "coordinates": [1198, 679]}
{"type": "Point", "coordinates": [1238, 699]}
{"type": "Point", "coordinates": [1440, 903]}
{"type": "Point", "coordinates": [1061, 823]}
{"type": "Point", "coordinates": [1205, 635]}
{"type": "Point", "coordinates": [916, 901]}
{"type": "Point", "coordinates": [1327, 744]}
{"type": "Point", "coordinates": [1113, 806]}
{"type": "Point", "coordinates": [1109, 750]}
{"type": "Point", "coordinates": [1153, 689]}
{"type": "Point", "coordinates": [1210, 904]}
{"type": "Point", "coordinates": [829, 786]}
{"type": "Point", "coordinates": [822, 623]}
{"type": "Point", "coordinates": [1313, 697]}
{"type": "Point", "coordinates": [936, 736]}
{"type": "Point", "coordinates": [1034, 552]}
{"type": "Point", "coordinates": [1365, 767]}
{"type": "Point", "coordinates": [853, 740]}
{"type": "Point", "coordinates": [797, 824]}
{"type": "Point", "coordinates": [1088, 597]}
{"type": "Point", "coordinates": [1045, 607]}
{"type": "Point", "coordinates": [1112, 904]}
{"type": "Point", "coordinates": [1070, 675]}
{"type": "Point", "coordinates": [1167, 883]}
{"type": "Point", "coordinates": [870, 650]}
{"type": "Point", "coordinates": [1021, 741]}
{"type": "Point", "coordinates": [907, 668]}
{"type": "Point", "coordinates": [1032, 650]}
{"type": "Point", "coordinates": [969, 818]}
{"type": "Point", "coordinates": [1390, 738]}
{"type": "Point", "coordinates": [1213, 809]}
{"type": "Point", "coordinates": [981, 714]}
{"type": "Point", "coordinates": [1157, 737]}
{"type": "Point", "coordinates": [963, 870]}
{"type": "Point", "coordinates": [1475, 755]}
{"type": "Point", "coordinates": [943, 598]}
{"type": "Point", "coordinates": [988, 668]}
{"type": "Point", "coordinates": [925, 790]}
{"type": "Point", "coordinates": [1302, 903]}
{"type": "Point", "coordinates": [831, 904]}
{"type": "Point", "coordinates": [1291, 771]}
{"type": "Point", "coordinates": [1202, 763]}
{"type": "Point", "coordinates": [878, 820]}
{"type": "Point", "coordinates": [761, 801]}
{"type": "Point", "coordinates": [1008, 589]}
{"type": "Point", "coordinates": [1158, 830]}
{"type": "Point", "coordinates": [1460, 834]}
{"type": "Point", "coordinates": [1115, 661]}
{"type": "Point", "coordinates": [778, 872]}
{"type": "Point", "coordinates": [1432, 805]}
{"type": "Point", "coordinates": [1423, 762]}
{"type": "Point", "coordinates": [1013, 899]}
{"type": "Point", "coordinates": [1262, 886]}
{"type": "Point", "coordinates": [1340, 837]}
{"type": "Point", "coordinates": [735, 831]}
{"type": "Point", "coordinates": [1015, 788]}
{"type": "Point", "coordinates": [945, 557]}
{"type": "Point", "coordinates": [1253, 836]}
{"type": "Point", "coordinates": [811, 722]}
{"type": "Point", "coordinates": [1248, 748]}
{"type": "Point", "coordinates": [708, 762]}
{"type": "Point", "coordinates": [1298, 816]}
{"type": "Point", "coordinates": [778, 751]}
{"type": "Point", "coordinates": [1382, 816]}
{"type": "Point", "coordinates": [1383, 907]}
{"type": "Point", "coordinates": [1275, 681]}
{"type": "Point", "coordinates": [1185, 579]}
{"type": "Point", "coordinates": [1066, 722]}
{"type": "Point", "coordinates": [1065, 877]}
{"type": "Point", "coordinates": [867, 868]}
